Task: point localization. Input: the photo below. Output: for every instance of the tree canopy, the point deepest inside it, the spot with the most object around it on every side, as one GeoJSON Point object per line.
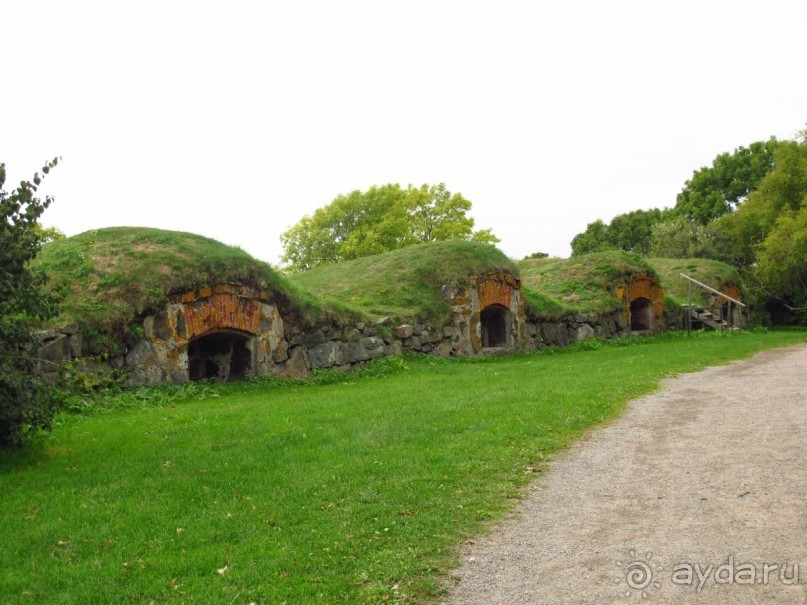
{"type": "Point", "coordinates": [712, 192]}
{"type": "Point", "coordinates": [767, 235]}
{"type": "Point", "coordinates": [720, 188]}
{"type": "Point", "coordinates": [630, 232]}
{"type": "Point", "coordinates": [383, 218]}
{"type": "Point", "coordinates": [24, 401]}
{"type": "Point", "coordinates": [749, 209]}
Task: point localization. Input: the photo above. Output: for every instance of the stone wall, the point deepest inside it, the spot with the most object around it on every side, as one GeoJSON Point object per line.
{"type": "Point", "coordinates": [200, 334]}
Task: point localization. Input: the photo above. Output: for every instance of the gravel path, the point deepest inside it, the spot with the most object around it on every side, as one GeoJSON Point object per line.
{"type": "Point", "coordinates": [686, 498]}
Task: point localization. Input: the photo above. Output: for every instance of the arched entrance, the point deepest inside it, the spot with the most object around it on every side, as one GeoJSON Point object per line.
{"type": "Point", "coordinates": [493, 320]}
{"type": "Point", "coordinates": [641, 315]}
{"type": "Point", "coordinates": [221, 356]}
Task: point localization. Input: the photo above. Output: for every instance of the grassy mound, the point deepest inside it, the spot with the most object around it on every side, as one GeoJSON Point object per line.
{"type": "Point", "coordinates": [404, 284]}
{"type": "Point", "coordinates": [582, 284]}
{"type": "Point", "coordinates": [710, 272]}
{"type": "Point", "coordinates": [107, 278]}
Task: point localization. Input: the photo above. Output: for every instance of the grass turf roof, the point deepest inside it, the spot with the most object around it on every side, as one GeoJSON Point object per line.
{"type": "Point", "coordinates": [710, 272]}
{"type": "Point", "coordinates": [581, 284]}
{"type": "Point", "coordinates": [108, 278]}
{"type": "Point", "coordinates": [404, 284]}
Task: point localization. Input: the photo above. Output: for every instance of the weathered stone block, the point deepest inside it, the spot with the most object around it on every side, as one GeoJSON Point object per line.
{"type": "Point", "coordinates": [584, 332]}
{"type": "Point", "coordinates": [76, 342]}
{"type": "Point", "coordinates": [297, 366]}
{"type": "Point", "coordinates": [404, 331]}
{"type": "Point", "coordinates": [563, 335]}
{"type": "Point", "coordinates": [43, 335]}
{"type": "Point", "coordinates": [139, 354]}
{"type": "Point", "coordinates": [310, 339]}
{"type": "Point", "coordinates": [444, 349]}
{"type": "Point", "coordinates": [549, 333]}
{"type": "Point", "coordinates": [429, 337]}
{"type": "Point", "coordinates": [70, 329]}
{"type": "Point", "coordinates": [56, 350]}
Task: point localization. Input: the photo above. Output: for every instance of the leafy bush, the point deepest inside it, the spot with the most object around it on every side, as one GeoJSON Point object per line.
{"type": "Point", "coordinates": [25, 404]}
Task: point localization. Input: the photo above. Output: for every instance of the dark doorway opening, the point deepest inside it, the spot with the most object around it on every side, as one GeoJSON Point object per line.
{"type": "Point", "coordinates": [641, 315]}
{"type": "Point", "coordinates": [494, 326]}
{"type": "Point", "coordinates": [222, 356]}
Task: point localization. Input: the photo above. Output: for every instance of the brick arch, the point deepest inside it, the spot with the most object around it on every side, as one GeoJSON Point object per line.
{"type": "Point", "coordinates": [468, 301]}
{"type": "Point", "coordinates": [643, 287]}
{"type": "Point", "coordinates": [220, 309]}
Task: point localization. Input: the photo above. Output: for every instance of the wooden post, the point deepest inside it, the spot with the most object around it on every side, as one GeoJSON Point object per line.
{"type": "Point", "coordinates": [689, 308]}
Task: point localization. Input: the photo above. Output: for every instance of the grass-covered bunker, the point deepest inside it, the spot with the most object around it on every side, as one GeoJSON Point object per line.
{"type": "Point", "coordinates": [448, 298]}
{"type": "Point", "coordinates": [617, 291]}
{"type": "Point", "coordinates": [166, 306]}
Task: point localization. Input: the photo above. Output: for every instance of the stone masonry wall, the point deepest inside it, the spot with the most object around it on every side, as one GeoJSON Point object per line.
{"type": "Point", "coordinates": [275, 348]}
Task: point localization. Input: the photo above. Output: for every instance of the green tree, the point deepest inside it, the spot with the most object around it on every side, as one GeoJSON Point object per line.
{"type": "Point", "coordinates": [781, 192]}
{"type": "Point", "coordinates": [593, 239]}
{"type": "Point", "coordinates": [631, 232]}
{"type": "Point", "coordinates": [383, 218]}
{"type": "Point", "coordinates": [25, 405]}
{"type": "Point", "coordinates": [720, 188]}
{"type": "Point", "coordinates": [680, 237]}
{"type": "Point", "coordinates": [782, 262]}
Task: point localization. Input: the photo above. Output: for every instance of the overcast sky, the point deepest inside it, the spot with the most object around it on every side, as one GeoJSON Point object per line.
{"type": "Point", "coordinates": [234, 119]}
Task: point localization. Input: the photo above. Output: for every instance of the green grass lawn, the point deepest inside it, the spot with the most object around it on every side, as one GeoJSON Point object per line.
{"type": "Point", "coordinates": [359, 491]}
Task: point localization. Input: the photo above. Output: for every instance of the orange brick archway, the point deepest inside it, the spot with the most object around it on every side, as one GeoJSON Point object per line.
{"type": "Point", "coordinates": [642, 292]}
{"type": "Point", "coordinates": [216, 324]}
{"type": "Point", "coordinates": [222, 307]}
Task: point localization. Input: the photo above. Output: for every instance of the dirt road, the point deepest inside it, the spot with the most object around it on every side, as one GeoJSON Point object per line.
{"type": "Point", "coordinates": [696, 494]}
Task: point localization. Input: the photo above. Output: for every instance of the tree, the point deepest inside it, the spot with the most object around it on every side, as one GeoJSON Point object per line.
{"type": "Point", "coordinates": [781, 192]}
{"type": "Point", "coordinates": [782, 261]}
{"type": "Point", "coordinates": [630, 232]}
{"type": "Point", "coordinates": [25, 405]}
{"type": "Point", "coordinates": [720, 188]}
{"type": "Point", "coordinates": [381, 219]}
{"type": "Point", "coordinates": [593, 239]}
{"type": "Point", "coordinates": [682, 238]}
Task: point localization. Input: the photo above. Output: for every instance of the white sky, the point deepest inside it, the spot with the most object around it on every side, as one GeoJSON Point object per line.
{"type": "Point", "coordinates": [234, 119]}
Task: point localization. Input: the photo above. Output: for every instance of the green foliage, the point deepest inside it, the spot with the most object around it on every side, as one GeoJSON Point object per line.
{"type": "Point", "coordinates": [379, 220]}
{"type": "Point", "coordinates": [764, 236]}
{"type": "Point", "coordinates": [25, 405]}
{"type": "Point", "coordinates": [108, 278]}
{"type": "Point", "coordinates": [630, 232]}
{"type": "Point", "coordinates": [720, 188]}
{"type": "Point", "coordinates": [536, 255]}
{"type": "Point", "coordinates": [88, 394]}
{"type": "Point", "coordinates": [782, 262]}
{"type": "Point", "coordinates": [404, 284]}
{"type": "Point", "coordinates": [680, 237]}
{"type": "Point", "coordinates": [356, 492]}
